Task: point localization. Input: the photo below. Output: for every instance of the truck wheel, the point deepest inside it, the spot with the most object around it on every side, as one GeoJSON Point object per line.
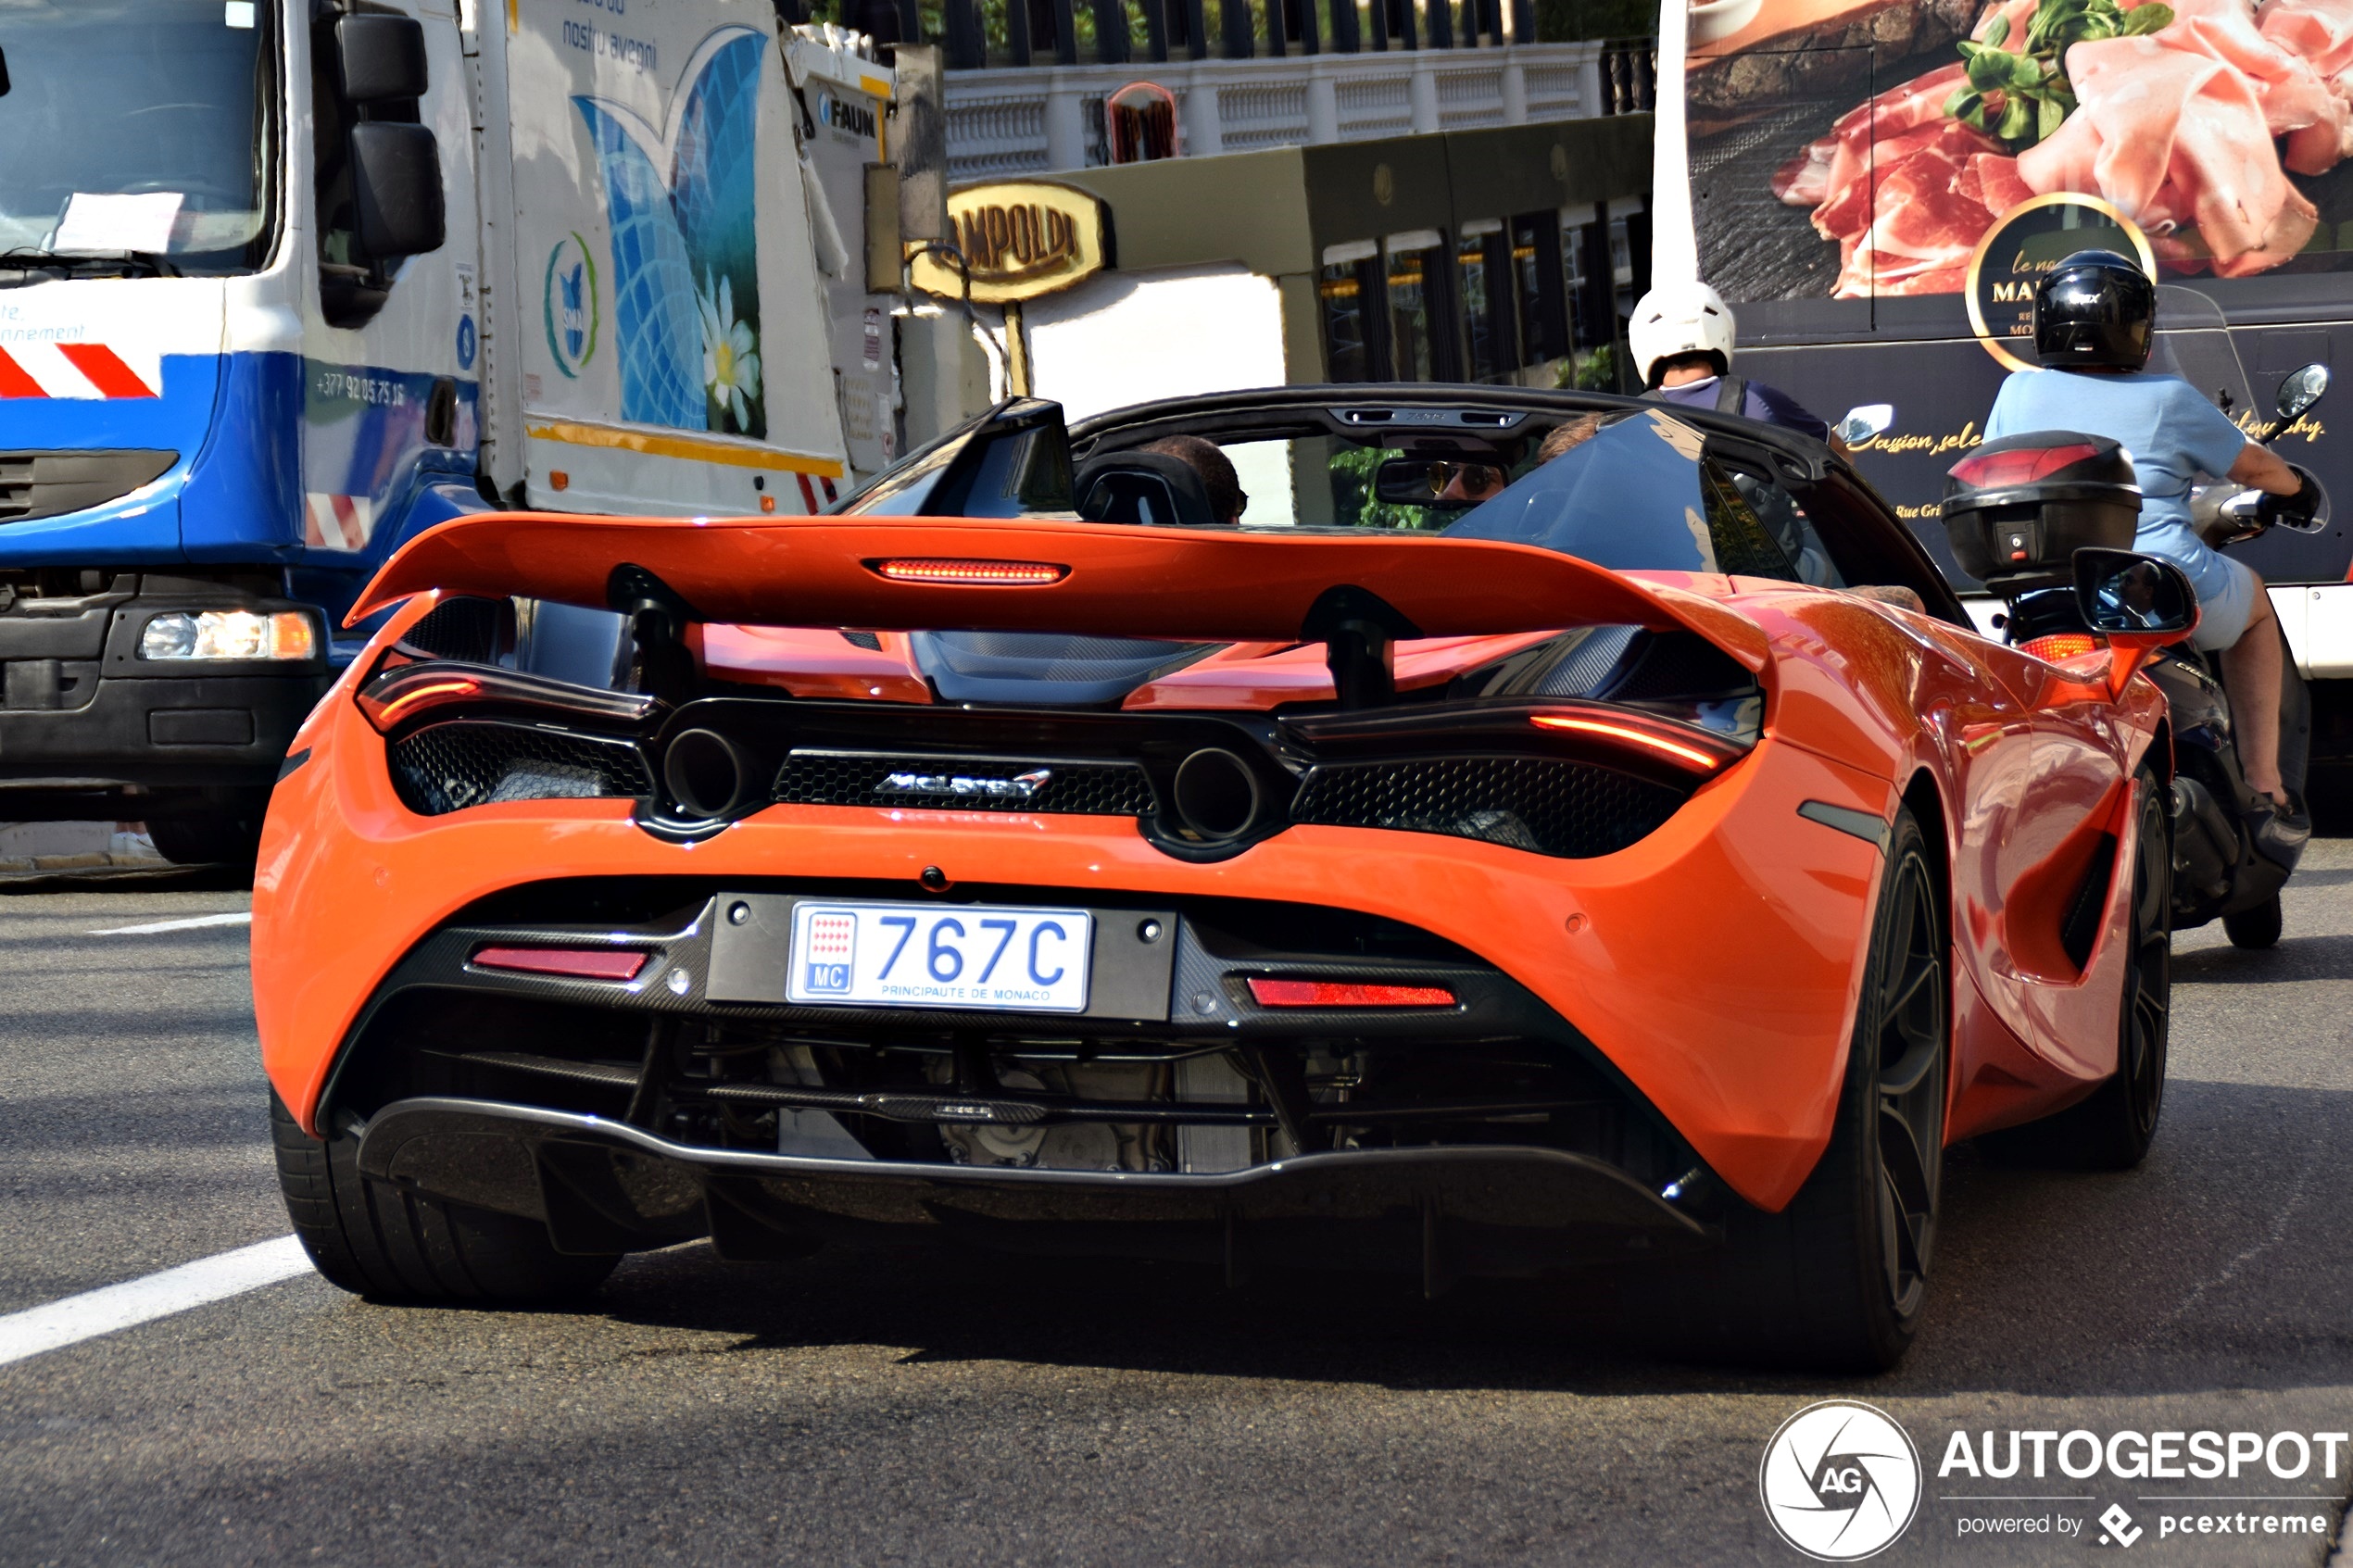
{"type": "Point", "coordinates": [1836, 1281]}
{"type": "Point", "coordinates": [2113, 1130]}
{"type": "Point", "coordinates": [216, 835]}
{"type": "Point", "coordinates": [2257, 927]}
{"type": "Point", "coordinates": [380, 1241]}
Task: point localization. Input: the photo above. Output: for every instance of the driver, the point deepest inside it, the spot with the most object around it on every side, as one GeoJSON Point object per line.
{"type": "Point", "coordinates": [2093, 313]}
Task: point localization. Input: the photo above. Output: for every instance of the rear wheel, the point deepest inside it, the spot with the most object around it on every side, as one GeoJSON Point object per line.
{"type": "Point", "coordinates": [1836, 1281]}
{"type": "Point", "coordinates": [2257, 927]}
{"type": "Point", "coordinates": [380, 1241]}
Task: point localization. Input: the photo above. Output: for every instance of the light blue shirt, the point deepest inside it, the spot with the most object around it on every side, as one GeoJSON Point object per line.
{"type": "Point", "coordinates": [2174, 436]}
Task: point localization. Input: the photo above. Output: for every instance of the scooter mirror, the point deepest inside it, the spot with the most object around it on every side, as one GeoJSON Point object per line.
{"type": "Point", "coordinates": [1863, 422]}
{"type": "Point", "coordinates": [2302, 389]}
{"type": "Point", "coordinates": [2134, 598]}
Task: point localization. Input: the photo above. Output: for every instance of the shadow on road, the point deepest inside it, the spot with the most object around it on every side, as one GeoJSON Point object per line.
{"type": "Point", "coordinates": [2217, 1264]}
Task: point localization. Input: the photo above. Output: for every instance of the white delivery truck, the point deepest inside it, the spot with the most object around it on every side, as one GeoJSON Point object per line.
{"type": "Point", "coordinates": [284, 281]}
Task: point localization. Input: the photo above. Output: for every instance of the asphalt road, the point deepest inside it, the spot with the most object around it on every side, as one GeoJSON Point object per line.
{"type": "Point", "coordinates": [933, 1408]}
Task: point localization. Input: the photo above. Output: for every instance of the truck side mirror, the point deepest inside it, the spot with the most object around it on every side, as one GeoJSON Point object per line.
{"type": "Point", "coordinates": [398, 207]}
{"type": "Point", "coordinates": [379, 59]}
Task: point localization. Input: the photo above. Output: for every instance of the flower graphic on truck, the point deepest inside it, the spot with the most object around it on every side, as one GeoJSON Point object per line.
{"type": "Point", "coordinates": [680, 200]}
{"type": "Point", "coordinates": [730, 352]}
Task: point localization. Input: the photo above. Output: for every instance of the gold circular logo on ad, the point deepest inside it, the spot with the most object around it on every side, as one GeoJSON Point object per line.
{"type": "Point", "coordinates": [2025, 242]}
{"type": "Point", "coordinates": [1384, 184]}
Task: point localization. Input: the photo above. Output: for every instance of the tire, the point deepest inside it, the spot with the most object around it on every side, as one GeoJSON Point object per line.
{"type": "Point", "coordinates": [1836, 1281]}
{"type": "Point", "coordinates": [2113, 1130]}
{"type": "Point", "coordinates": [2258, 927]}
{"type": "Point", "coordinates": [380, 1241]}
{"type": "Point", "coordinates": [218, 835]}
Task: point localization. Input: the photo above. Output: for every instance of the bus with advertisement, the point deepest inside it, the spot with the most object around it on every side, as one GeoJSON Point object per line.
{"type": "Point", "coordinates": [1874, 186]}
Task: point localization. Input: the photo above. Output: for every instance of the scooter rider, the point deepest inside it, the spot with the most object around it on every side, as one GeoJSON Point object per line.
{"type": "Point", "coordinates": [2094, 316]}
{"type": "Point", "coordinates": [1682, 336]}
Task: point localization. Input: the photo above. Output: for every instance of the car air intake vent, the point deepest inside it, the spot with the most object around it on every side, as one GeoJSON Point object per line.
{"type": "Point", "coordinates": [475, 631]}
{"type": "Point", "coordinates": [1552, 807]}
{"type": "Point", "coordinates": [476, 763]}
{"type": "Point", "coordinates": [965, 783]}
{"type": "Point", "coordinates": [39, 485]}
{"type": "Point", "coordinates": [1680, 664]}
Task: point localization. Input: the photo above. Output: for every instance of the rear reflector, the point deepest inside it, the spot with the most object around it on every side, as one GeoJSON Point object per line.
{"type": "Point", "coordinates": [1347, 993]}
{"type": "Point", "coordinates": [986, 573]}
{"type": "Point", "coordinates": [571, 963]}
{"type": "Point", "coordinates": [1629, 734]}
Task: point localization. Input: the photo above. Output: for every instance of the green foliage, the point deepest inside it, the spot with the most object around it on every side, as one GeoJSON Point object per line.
{"type": "Point", "coordinates": [1596, 372]}
{"type": "Point", "coordinates": [1353, 504]}
{"type": "Point", "coordinates": [1565, 21]}
{"type": "Point", "coordinates": [2023, 98]}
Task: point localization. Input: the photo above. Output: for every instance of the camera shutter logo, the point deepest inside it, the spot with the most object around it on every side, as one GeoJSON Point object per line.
{"type": "Point", "coordinates": [1840, 1481]}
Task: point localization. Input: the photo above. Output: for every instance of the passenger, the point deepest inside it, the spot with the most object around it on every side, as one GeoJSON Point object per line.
{"type": "Point", "coordinates": [1227, 500]}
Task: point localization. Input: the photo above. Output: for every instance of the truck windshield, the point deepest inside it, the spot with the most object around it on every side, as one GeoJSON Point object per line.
{"type": "Point", "coordinates": [133, 131]}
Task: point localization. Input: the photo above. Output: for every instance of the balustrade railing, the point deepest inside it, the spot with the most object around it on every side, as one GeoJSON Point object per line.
{"type": "Point", "coordinates": [1034, 120]}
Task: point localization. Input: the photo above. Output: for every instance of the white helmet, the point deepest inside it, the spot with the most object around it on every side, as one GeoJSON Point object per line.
{"type": "Point", "coordinates": [1678, 319]}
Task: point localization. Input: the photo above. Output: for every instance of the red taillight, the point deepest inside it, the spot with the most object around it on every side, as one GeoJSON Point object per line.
{"type": "Point", "coordinates": [569, 963]}
{"type": "Point", "coordinates": [2061, 644]}
{"type": "Point", "coordinates": [1999, 470]}
{"type": "Point", "coordinates": [386, 711]}
{"type": "Point", "coordinates": [1680, 751]}
{"type": "Point", "coordinates": [1347, 993]}
{"type": "Point", "coordinates": [983, 573]}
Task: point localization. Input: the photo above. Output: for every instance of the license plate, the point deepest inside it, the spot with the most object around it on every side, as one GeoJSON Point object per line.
{"type": "Point", "coordinates": [919, 956]}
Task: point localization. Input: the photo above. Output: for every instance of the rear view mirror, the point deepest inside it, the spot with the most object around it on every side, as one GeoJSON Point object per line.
{"type": "Point", "coordinates": [2138, 603]}
{"type": "Point", "coordinates": [1865, 421]}
{"type": "Point", "coordinates": [395, 189]}
{"type": "Point", "coordinates": [379, 59]}
{"type": "Point", "coordinates": [1437, 481]}
{"type": "Point", "coordinates": [2301, 390]}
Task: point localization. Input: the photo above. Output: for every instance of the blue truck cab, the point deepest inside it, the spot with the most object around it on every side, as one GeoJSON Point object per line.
{"type": "Point", "coordinates": [269, 271]}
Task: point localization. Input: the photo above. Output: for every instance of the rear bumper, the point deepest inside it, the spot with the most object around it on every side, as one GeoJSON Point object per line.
{"type": "Point", "coordinates": [605, 1186]}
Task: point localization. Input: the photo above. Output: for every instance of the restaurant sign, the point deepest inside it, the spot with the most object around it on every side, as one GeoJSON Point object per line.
{"type": "Point", "coordinates": [1019, 239]}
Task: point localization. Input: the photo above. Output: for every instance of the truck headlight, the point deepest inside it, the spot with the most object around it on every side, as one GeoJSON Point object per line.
{"type": "Point", "coordinates": [230, 634]}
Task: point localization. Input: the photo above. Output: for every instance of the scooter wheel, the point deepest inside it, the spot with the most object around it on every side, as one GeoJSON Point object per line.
{"type": "Point", "coordinates": [2257, 927]}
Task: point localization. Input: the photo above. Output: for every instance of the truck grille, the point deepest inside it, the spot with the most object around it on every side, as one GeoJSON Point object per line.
{"type": "Point", "coordinates": [38, 484]}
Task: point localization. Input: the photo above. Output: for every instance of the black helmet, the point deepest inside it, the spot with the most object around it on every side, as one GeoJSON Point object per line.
{"type": "Point", "coordinates": [2096, 308]}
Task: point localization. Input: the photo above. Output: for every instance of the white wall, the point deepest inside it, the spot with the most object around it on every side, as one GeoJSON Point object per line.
{"type": "Point", "coordinates": [1134, 337]}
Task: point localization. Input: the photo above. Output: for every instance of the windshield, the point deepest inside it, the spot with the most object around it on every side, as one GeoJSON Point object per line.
{"type": "Point", "coordinates": [1638, 496]}
{"type": "Point", "coordinates": [136, 128]}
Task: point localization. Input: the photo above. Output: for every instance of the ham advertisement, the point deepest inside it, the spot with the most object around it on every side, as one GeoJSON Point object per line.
{"type": "Point", "coordinates": [1872, 146]}
{"type": "Point", "coordinates": [1877, 184]}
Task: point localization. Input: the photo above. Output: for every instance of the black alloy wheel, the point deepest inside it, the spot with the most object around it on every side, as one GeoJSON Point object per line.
{"type": "Point", "coordinates": [1837, 1280]}
{"type": "Point", "coordinates": [1914, 1023]}
{"type": "Point", "coordinates": [2113, 1129]}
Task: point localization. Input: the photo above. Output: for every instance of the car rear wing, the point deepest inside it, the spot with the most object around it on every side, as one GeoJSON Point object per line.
{"type": "Point", "coordinates": [1355, 592]}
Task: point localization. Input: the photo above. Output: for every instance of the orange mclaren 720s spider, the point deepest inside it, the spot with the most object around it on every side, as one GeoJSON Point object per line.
{"type": "Point", "coordinates": [1484, 857]}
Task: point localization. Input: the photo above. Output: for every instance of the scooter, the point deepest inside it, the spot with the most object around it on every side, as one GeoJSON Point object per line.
{"type": "Point", "coordinates": [2017, 509]}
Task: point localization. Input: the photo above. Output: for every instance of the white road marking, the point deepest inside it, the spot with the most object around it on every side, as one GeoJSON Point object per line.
{"type": "Point", "coordinates": [243, 917]}
{"type": "Point", "coordinates": [94, 1312]}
